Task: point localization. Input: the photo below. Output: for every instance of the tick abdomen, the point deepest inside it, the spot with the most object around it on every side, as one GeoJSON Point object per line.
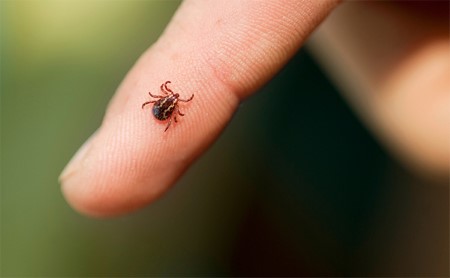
{"type": "Point", "coordinates": [163, 108]}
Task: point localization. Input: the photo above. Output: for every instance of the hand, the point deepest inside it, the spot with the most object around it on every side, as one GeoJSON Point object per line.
{"type": "Point", "coordinates": [392, 61]}
{"type": "Point", "coordinates": [221, 51]}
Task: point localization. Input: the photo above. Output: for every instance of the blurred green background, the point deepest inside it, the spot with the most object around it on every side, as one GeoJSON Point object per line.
{"type": "Point", "coordinates": [296, 187]}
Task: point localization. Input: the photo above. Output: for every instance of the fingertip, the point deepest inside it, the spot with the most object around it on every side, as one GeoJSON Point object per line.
{"type": "Point", "coordinates": [133, 159]}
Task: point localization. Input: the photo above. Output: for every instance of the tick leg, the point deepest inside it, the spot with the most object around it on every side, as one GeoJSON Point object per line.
{"type": "Point", "coordinates": [186, 100]}
{"type": "Point", "coordinates": [148, 102]}
{"type": "Point", "coordinates": [179, 113]}
{"type": "Point", "coordinates": [165, 87]}
{"type": "Point", "coordinates": [155, 96]}
{"type": "Point", "coordinates": [162, 89]}
{"type": "Point", "coordinates": [167, 127]}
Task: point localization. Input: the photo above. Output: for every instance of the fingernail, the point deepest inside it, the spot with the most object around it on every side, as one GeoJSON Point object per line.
{"type": "Point", "coordinates": [75, 162]}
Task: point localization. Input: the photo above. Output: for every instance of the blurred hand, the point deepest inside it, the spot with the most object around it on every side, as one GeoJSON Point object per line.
{"type": "Point", "coordinates": [392, 60]}
{"type": "Point", "coordinates": [221, 51]}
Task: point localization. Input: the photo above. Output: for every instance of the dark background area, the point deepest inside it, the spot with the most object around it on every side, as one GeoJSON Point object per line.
{"type": "Point", "coordinates": [295, 186]}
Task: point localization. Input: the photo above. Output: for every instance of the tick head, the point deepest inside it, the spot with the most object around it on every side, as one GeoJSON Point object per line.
{"type": "Point", "coordinates": [176, 95]}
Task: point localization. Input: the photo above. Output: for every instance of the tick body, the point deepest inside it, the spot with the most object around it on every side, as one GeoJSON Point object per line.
{"type": "Point", "coordinates": [166, 105]}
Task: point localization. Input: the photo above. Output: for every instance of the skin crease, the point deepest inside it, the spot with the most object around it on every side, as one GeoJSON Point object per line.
{"type": "Point", "coordinates": [123, 166]}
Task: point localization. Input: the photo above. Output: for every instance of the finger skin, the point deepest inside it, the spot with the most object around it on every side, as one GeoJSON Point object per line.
{"type": "Point", "coordinates": [221, 51]}
{"type": "Point", "coordinates": [396, 78]}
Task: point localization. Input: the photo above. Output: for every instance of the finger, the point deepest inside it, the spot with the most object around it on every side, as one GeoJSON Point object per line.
{"type": "Point", "coordinates": [400, 88]}
{"type": "Point", "coordinates": [220, 51]}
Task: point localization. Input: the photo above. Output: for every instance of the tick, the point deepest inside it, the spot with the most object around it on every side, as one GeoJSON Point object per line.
{"type": "Point", "coordinates": [166, 105]}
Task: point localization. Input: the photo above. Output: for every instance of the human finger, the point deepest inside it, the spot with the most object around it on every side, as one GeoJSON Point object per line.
{"type": "Point", "coordinates": [396, 73]}
{"type": "Point", "coordinates": [220, 51]}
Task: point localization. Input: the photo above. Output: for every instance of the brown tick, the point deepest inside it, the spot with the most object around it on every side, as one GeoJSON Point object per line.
{"type": "Point", "coordinates": [164, 108]}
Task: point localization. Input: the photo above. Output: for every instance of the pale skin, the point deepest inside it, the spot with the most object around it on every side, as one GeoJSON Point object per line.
{"type": "Point", "coordinates": [396, 75]}
{"type": "Point", "coordinates": [123, 166]}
